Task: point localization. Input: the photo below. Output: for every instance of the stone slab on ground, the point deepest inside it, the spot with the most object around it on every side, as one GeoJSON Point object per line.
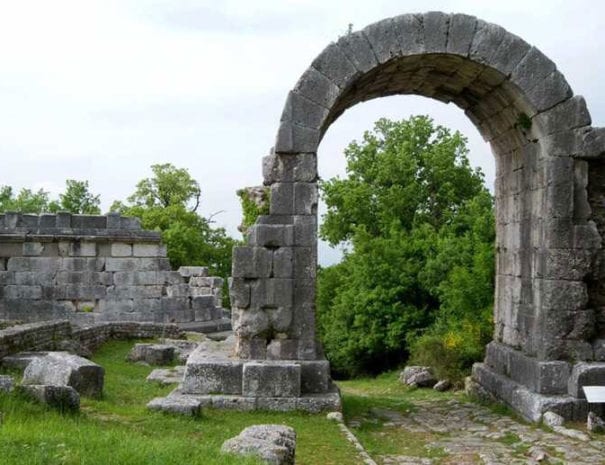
{"type": "Point", "coordinates": [19, 361]}
{"type": "Point", "coordinates": [154, 354]}
{"type": "Point", "coordinates": [274, 444]}
{"type": "Point", "coordinates": [181, 405]}
{"type": "Point", "coordinates": [64, 369]}
{"type": "Point", "coordinates": [166, 376]}
{"type": "Point", "coordinates": [63, 398]}
{"type": "Point", "coordinates": [418, 376]}
{"type": "Point", "coordinates": [7, 383]}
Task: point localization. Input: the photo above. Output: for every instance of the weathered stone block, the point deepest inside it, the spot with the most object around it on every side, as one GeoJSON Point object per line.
{"type": "Point", "coordinates": [251, 323]}
{"type": "Point", "coordinates": [273, 444]}
{"type": "Point", "coordinates": [334, 64]}
{"type": "Point", "coordinates": [570, 114]}
{"type": "Point", "coordinates": [317, 87]}
{"type": "Point", "coordinates": [534, 67]}
{"type": "Point", "coordinates": [32, 249]}
{"type": "Point", "coordinates": [63, 398]}
{"type": "Point", "coordinates": [436, 25]}
{"type": "Point", "coordinates": [300, 167]}
{"type": "Point", "coordinates": [549, 91]}
{"type": "Point", "coordinates": [251, 262]}
{"type": "Point", "coordinates": [485, 42]}
{"type": "Point", "coordinates": [178, 290]}
{"type": "Point", "coordinates": [212, 376]}
{"type": "Point", "coordinates": [272, 292]}
{"type": "Point", "coordinates": [213, 281]}
{"type": "Point", "coordinates": [7, 383]}
{"type": "Point", "coordinates": [283, 262]}
{"type": "Point", "coordinates": [282, 349]}
{"type": "Point", "coordinates": [121, 264]}
{"type": "Point", "coordinates": [585, 374]}
{"type": "Point", "coordinates": [292, 138]}
{"type": "Point", "coordinates": [383, 37]}
{"type": "Point", "coordinates": [148, 250]}
{"type": "Point", "coordinates": [306, 198]}
{"type": "Point", "coordinates": [461, 33]}
{"type": "Point", "coordinates": [22, 292]}
{"type": "Point", "coordinates": [315, 376]}
{"type": "Point", "coordinates": [173, 304]}
{"type": "Point", "coordinates": [305, 230]}
{"type": "Point", "coordinates": [38, 264]}
{"type": "Point", "coordinates": [121, 249]}
{"type": "Point", "coordinates": [253, 348]}
{"type": "Point", "coordinates": [271, 379]}
{"type": "Point", "coordinates": [181, 405]}
{"type": "Point", "coordinates": [154, 354]}
{"type": "Point", "coordinates": [239, 292]}
{"type": "Point", "coordinates": [302, 111]}
{"type": "Point", "coordinates": [280, 318]}
{"type": "Point", "coordinates": [63, 369]}
{"type": "Point", "coordinates": [271, 235]}
{"type": "Point", "coordinates": [359, 52]}
{"type": "Point", "coordinates": [282, 198]}
{"type": "Point", "coordinates": [189, 271]}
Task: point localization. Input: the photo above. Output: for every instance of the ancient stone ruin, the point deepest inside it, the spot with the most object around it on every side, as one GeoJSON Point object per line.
{"type": "Point", "coordinates": [90, 269]}
{"type": "Point", "coordinates": [549, 311]}
{"type": "Point", "coordinates": [550, 206]}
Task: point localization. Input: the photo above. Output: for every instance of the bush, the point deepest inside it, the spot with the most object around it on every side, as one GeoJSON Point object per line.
{"type": "Point", "coordinates": [451, 347]}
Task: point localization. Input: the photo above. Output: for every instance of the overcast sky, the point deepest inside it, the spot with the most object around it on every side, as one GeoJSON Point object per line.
{"type": "Point", "coordinates": [101, 90]}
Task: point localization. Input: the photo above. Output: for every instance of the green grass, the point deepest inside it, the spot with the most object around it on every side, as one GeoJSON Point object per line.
{"type": "Point", "coordinates": [118, 429]}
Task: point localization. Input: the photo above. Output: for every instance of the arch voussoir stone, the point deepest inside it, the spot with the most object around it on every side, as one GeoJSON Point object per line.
{"type": "Point", "coordinates": [549, 308]}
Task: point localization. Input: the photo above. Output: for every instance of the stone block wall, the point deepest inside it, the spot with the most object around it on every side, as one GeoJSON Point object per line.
{"type": "Point", "coordinates": [48, 335]}
{"type": "Point", "coordinates": [89, 269]}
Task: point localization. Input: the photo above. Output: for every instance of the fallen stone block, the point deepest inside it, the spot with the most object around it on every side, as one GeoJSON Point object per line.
{"type": "Point", "coordinates": [63, 369]}
{"type": "Point", "coordinates": [594, 423]}
{"type": "Point", "coordinates": [552, 419]}
{"type": "Point", "coordinates": [20, 360]}
{"type": "Point", "coordinates": [442, 385]}
{"type": "Point", "coordinates": [63, 398]}
{"type": "Point", "coordinates": [166, 376]}
{"type": "Point", "coordinates": [418, 376]}
{"type": "Point", "coordinates": [154, 354]}
{"type": "Point", "coordinates": [7, 383]}
{"type": "Point", "coordinates": [275, 444]}
{"type": "Point", "coordinates": [181, 405]}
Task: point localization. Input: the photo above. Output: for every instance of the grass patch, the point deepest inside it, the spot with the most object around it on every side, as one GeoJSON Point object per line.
{"type": "Point", "coordinates": [118, 429]}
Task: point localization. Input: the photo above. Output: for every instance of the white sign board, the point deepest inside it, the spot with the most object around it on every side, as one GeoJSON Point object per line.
{"type": "Point", "coordinates": [594, 394]}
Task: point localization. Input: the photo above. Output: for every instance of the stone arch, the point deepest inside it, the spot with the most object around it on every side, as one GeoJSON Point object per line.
{"type": "Point", "coordinates": [549, 201]}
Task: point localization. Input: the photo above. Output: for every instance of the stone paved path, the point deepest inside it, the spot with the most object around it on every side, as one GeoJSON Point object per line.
{"type": "Point", "coordinates": [468, 433]}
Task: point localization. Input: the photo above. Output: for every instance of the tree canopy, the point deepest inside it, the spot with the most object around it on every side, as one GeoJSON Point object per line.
{"type": "Point", "coordinates": [417, 222]}
{"type": "Point", "coordinates": [76, 198]}
{"type": "Point", "coordinates": [168, 202]}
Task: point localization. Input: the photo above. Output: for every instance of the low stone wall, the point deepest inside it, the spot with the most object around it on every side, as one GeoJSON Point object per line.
{"type": "Point", "coordinates": [48, 335]}
{"type": "Point", "coordinates": [89, 269]}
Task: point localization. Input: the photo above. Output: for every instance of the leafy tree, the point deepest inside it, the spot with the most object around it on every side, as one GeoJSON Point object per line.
{"type": "Point", "coordinates": [26, 201]}
{"type": "Point", "coordinates": [76, 199]}
{"type": "Point", "coordinates": [418, 222]}
{"type": "Point", "coordinates": [167, 202]}
{"type": "Point", "coordinates": [168, 186]}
